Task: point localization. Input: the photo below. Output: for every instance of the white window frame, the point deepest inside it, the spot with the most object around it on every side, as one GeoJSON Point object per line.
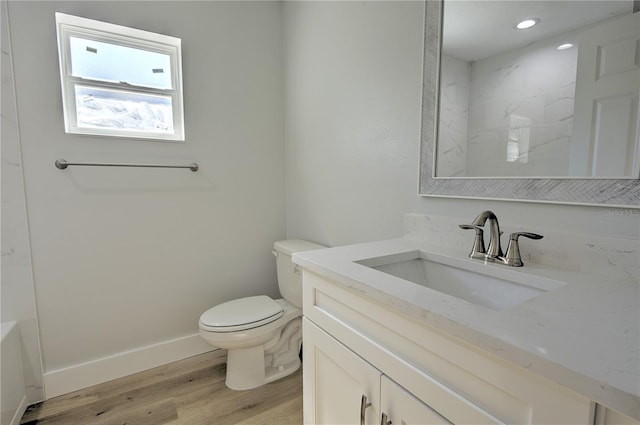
{"type": "Point", "coordinates": [68, 26]}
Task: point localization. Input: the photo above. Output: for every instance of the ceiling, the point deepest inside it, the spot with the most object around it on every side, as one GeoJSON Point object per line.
{"type": "Point", "coordinates": [475, 29]}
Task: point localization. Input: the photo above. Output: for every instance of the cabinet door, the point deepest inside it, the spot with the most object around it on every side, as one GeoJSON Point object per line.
{"type": "Point", "coordinates": [339, 386]}
{"type": "Point", "coordinates": [399, 407]}
{"type": "Point", "coordinates": [606, 416]}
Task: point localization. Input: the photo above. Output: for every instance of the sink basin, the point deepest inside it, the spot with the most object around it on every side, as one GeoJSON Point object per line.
{"type": "Point", "coordinates": [493, 286]}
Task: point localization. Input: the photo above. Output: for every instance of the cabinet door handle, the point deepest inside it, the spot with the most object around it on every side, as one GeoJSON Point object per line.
{"type": "Point", "coordinates": [385, 419]}
{"type": "Point", "coordinates": [363, 408]}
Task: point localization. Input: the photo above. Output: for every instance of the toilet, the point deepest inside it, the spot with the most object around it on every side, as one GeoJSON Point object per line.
{"type": "Point", "coordinates": [262, 336]}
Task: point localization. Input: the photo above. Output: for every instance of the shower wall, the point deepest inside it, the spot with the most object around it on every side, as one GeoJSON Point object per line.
{"type": "Point", "coordinates": [18, 308]}
{"type": "Point", "coordinates": [508, 114]}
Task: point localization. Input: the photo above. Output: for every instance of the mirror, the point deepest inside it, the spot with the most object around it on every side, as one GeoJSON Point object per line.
{"type": "Point", "coordinates": [514, 99]}
{"type": "Point", "coordinates": [507, 115]}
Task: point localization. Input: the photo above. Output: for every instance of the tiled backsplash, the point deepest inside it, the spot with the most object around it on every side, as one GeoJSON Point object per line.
{"type": "Point", "coordinates": [615, 257]}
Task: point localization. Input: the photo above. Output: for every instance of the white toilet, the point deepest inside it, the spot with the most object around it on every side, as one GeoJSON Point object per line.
{"type": "Point", "coordinates": [262, 335]}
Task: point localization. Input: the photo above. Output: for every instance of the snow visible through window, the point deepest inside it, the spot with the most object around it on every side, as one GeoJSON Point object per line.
{"type": "Point", "coordinates": [99, 108]}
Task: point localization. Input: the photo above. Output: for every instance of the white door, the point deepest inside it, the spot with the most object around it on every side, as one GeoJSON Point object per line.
{"type": "Point", "coordinates": [339, 386]}
{"type": "Point", "coordinates": [400, 407]}
{"type": "Point", "coordinates": [606, 120]}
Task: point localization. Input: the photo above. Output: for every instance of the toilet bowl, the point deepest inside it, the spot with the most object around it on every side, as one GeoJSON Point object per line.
{"type": "Point", "coordinates": [262, 336]}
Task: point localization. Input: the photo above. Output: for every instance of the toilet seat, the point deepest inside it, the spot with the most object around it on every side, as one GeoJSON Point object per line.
{"type": "Point", "coordinates": [241, 314]}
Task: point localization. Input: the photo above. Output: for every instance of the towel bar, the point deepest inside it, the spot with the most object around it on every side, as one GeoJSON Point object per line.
{"type": "Point", "coordinates": [63, 164]}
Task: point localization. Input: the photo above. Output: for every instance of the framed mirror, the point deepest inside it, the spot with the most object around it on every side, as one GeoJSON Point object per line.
{"type": "Point", "coordinates": [520, 115]}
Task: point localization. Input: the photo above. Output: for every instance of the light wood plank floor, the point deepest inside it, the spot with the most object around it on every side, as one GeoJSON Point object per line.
{"type": "Point", "coordinates": [188, 392]}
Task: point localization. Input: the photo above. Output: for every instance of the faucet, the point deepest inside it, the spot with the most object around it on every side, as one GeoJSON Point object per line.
{"type": "Point", "coordinates": [494, 252]}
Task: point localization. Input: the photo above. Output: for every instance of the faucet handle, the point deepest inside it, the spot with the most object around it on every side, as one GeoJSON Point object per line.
{"type": "Point", "coordinates": [471, 227]}
{"type": "Point", "coordinates": [478, 250]}
{"type": "Point", "coordinates": [514, 236]}
{"type": "Point", "coordinates": [512, 257]}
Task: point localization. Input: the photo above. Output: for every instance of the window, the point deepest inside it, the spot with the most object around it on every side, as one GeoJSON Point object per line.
{"type": "Point", "coordinates": [518, 139]}
{"type": "Point", "coordinates": [119, 81]}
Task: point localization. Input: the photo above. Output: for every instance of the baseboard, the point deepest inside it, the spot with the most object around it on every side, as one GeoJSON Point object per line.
{"type": "Point", "coordinates": [73, 378]}
{"type": "Point", "coordinates": [20, 411]}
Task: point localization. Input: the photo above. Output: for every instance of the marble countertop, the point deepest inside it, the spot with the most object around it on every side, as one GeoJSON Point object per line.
{"type": "Point", "coordinates": [584, 335]}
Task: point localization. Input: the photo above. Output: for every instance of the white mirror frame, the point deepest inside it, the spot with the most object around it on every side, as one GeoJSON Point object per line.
{"type": "Point", "coordinates": [597, 192]}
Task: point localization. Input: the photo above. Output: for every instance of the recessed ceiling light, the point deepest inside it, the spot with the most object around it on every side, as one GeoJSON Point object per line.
{"type": "Point", "coordinates": [565, 46]}
{"type": "Point", "coordinates": [527, 23]}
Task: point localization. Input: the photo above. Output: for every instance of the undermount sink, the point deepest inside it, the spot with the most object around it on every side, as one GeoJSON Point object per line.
{"type": "Point", "coordinates": [493, 286]}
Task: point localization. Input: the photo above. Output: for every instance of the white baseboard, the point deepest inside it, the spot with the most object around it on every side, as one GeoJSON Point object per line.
{"type": "Point", "coordinates": [73, 378]}
{"type": "Point", "coordinates": [20, 411]}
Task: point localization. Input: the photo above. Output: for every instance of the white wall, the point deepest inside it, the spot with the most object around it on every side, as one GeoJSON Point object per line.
{"type": "Point", "coordinates": [127, 258]}
{"type": "Point", "coordinates": [352, 103]}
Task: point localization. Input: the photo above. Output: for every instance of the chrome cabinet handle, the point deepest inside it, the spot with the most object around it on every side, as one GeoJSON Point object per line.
{"type": "Point", "coordinates": [385, 420]}
{"type": "Point", "coordinates": [363, 408]}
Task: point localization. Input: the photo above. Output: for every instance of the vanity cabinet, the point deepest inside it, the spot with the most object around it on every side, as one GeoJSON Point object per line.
{"type": "Point", "coordinates": [401, 407]}
{"type": "Point", "coordinates": [346, 389]}
{"type": "Point", "coordinates": [606, 416]}
{"type": "Point", "coordinates": [342, 386]}
{"type": "Point", "coordinates": [357, 352]}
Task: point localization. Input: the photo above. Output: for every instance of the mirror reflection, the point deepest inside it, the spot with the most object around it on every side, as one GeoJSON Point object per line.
{"type": "Point", "coordinates": [557, 98]}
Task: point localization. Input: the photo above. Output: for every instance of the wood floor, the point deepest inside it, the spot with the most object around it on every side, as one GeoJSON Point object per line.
{"type": "Point", "coordinates": [188, 392]}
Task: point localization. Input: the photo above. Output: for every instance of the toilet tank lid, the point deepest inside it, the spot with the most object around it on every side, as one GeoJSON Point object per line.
{"type": "Point", "coordinates": [290, 246]}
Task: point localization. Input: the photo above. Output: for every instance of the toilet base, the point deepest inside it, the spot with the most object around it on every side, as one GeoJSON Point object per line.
{"type": "Point", "coordinates": [249, 368]}
{"type": "Point", "coordinates": [245, 368]}
{"type": "Point", "coordinates": [275, 373]}
{"type": "Point", "coordinates": [240, 377]}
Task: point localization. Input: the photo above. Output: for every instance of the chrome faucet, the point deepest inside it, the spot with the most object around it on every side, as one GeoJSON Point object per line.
{"type": "Point", "coordinates": [494, 252]}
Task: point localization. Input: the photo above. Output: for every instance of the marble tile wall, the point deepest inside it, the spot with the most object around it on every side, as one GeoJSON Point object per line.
{"type": "Point", "coordinates": [526, 94]}
{"type": "Point", "coordinates": [16, 287]}
{"type": "Point", "coordinates": [454, 115]}
{"type": "Point", "coordinates": [523, 97]}
{"type": "Point", "coordinates": [615, 257]}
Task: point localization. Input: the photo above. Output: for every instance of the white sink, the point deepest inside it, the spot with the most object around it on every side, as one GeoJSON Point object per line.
{"type": "Point", "coordinates": [494, 286]}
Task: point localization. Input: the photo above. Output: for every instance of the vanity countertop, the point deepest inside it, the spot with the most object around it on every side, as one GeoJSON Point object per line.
{"type": "Point", "coordinates": [584, 335]}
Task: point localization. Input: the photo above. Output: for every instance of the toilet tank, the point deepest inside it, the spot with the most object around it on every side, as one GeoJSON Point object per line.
{"type": "Point", "coordinates": [289, 275]}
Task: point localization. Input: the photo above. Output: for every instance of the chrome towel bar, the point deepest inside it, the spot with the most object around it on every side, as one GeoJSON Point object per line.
{"type": "Point", "coordinates": [63, 164]}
